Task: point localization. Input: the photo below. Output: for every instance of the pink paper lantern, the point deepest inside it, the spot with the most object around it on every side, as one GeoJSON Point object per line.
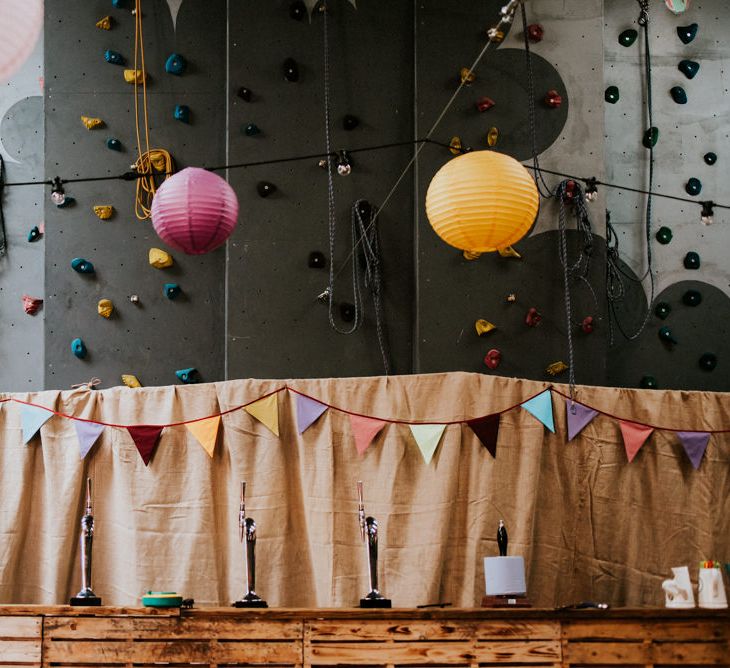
{"type": "Point", "coordinates": [20, 25]}
{"type": "Point", "coordinates": [194, 211]}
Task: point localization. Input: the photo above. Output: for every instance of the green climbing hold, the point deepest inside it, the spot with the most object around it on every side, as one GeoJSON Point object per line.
{"type": "Point", "coordinates": [687, 33]}
{"type": "Point", "coordinates": [708, 362]}
{"type": "Point", "coordinates": [692, 260]}
{"type": "Point", "coordinates": [678, 94]}
{"type": "Point", "coordinates": [692, 298]}
{"type": "Point", "coordinates": [82, 266]}
{"type": "Point", "coordinates": [251, 130]}
{"type": "Point", "coordinates": [34, 233]}
{"type": "Point", "coordinates": [113, 144]}
{"type": "Point", "coordinates": [693, 187]}
{"type": "Point", "coordinates": [172, 290]}
{"type": "Point", "coordinates": [662, 310]}
{"type": "Point", "coordinates": [689, 68]}
{"type": "Point", "coordinates": [188, 376]}
{"type": "Point", "coordinates": [666, 336]}
{"type": "Point", "coordinates": [627, 37]}
{"type": "Point", "coordinates": [648, 383]}
{"type": "Point", "coordinates": [612, 95]}
{"type": "Point", "coordinates": [78, 348]}
{"type": "Point", "coordinates": [664, 235]}
{"type": "Point", "coordinates": [651, 137]}
{"type": "Point", "coordinates": [710, 158]}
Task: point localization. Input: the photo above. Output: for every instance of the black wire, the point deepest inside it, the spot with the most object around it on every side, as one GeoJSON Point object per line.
{"type": "Point", "coordinates": [3, 245]}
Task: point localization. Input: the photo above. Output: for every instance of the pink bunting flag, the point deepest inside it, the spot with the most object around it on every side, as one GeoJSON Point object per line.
{"type": "Point", "coordinates": [364, 429]}
{"type": "Point", "coordinates": [579, 417]}
{"type": "Point", "coordinates": [146, 439]}
{"type": "Point", "coordinates": [486, 429]}
{"type": "Point", "coordinates": [635, 436]}
{"type": "Point", "coordinates": [694, 444]}
{"type": "Point", "coordinates": [308, 410]}
{"type": "Point", "coordinates": [87, 433]}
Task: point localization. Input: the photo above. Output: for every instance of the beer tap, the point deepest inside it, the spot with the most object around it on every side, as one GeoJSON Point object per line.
{"type": "Point", "coordinates": [247, 538]}
{"type": "Point", "coordinates": [369, 536]}
{"type": "Point", "coordinates": [86, 596]}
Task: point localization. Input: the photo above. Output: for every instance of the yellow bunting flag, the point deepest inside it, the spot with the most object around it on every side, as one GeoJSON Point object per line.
{"type": "Point", "coordinates": [206, 432]}
{"type": "Point", "coordinates": [266, 410]}
{"type": "Point", "coordinates": [427, 438]}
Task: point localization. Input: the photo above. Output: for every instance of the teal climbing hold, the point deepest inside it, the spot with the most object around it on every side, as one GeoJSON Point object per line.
{"type": "Point", "coordinates": [114, 144]}
{"type": "Point", "coordinates": [627, 37]}
{"type": "Point", "coordinates": [692, 260]}
{"type": "Point", "coordinates": [175, 64]}
{"type": "Point", "coordinates": [666, 336]}
{"type": "Point", "coordinates": [710, 158]}
{"type": "Point", "coordinates": [172, 290]}
{"type": "Point", "coordinates": [678, 94]}
{"type": "Point", "coordinates": [662, 310]}
{"type": "Point", "coordinates": [182, 113]}
{"type": "Point", "coordinates": [689, 68]}
{"type": "Point", "coordinates": [78, 348]}
{"type": "Point", "coordinates": [692, 298]}
{"type": "Point", "coordinates": [651, 137]}
{"type": "Point", "coordinates": [34, 233]}
{"type": "Point", "coordinates": [663, 235]}
{"type": "Point", "coordinates": [693, 187]}
{"type": "Point", "coordinates": [188, 376]}
{"type": "Point", "coordinates": [649, 383]}
{"type": "Point", "coordinates": [82, 266]}
{"type": "Point", "coordinates": [687, 33]}
{"type": "Point", "coordinates": [708, 362]}
{"type": "Point", "coordinates": [67, 202]}
{"type": "Point", "coordinates": [612, 95]}
{"type": "Point", "coordinates": [114, 57]}
{"type": "Point", "coordinates": [251, 130]}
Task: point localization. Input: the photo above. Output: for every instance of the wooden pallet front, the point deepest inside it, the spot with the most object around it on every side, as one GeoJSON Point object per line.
{"type": "Point", "coordinates": [20, 641]}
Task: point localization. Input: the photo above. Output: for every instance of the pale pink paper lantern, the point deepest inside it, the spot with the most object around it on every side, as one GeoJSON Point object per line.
{"type": "Point", "coordinates": [194, 211]}
{"type": "Point", "coordinates": [20, 25]}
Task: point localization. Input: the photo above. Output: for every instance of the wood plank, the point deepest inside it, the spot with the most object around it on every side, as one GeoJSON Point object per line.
{"type": "Point", "coordinates": [608, 653]}
{"type": "Point", "coordinates": [20, 651]}
{"type": "Point", "coordinates": [524, 651]}
{"type": "Point", "coordinates": [343, 631]}
{"type": "Point", "coordinates": [607, 629]}
{"type": "Point", "coordinates": [689, 630]}
{"type": "Point", "coordinates": [536, 630]}
{"type": "Point", "coordinates": [376, 653]}
{"type": "Point", "coordinates": [691, 653]}
{"type": "Point", "coordinates": [20, 627]}
{"type": "Point", "coordinates": [86, 611]}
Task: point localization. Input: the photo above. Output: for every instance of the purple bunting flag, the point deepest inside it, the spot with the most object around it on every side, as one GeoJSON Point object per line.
{"type": "Point", "coordinates": [308, 410]}
{"type": "Point", "coordinates": [87, 433]}
{"type": "Point", "coordinates": [579, 417]}
{"type": "Point", "coordinates": [695, 444]}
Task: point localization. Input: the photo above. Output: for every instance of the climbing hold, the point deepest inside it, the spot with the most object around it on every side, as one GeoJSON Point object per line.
{"type": "Point", "coordinates": [492, 136]}
{"type": "Point", "coordinates": [692, 260]}
{"type": "Point", "coordinates": [692, 298]}
{"type": "Point", "coordinates": [485, 103]}
{"type": "Point", "coordinates": [251, 130]}
{"type": "Point", "coordinates": [689, 68]}
{"type": "Point", "coordinates": [245, 94]}
{"type": "Point", "coordinates": [455, 145]}
{"type": "Point", "coordinates": [188, 376]}
{"type": "Point", "coordinates": [587, 324]}
{"type": "Point", "coordinates": [493, 358]}
{"type": "Point", "coordinates": [556, 368]}
{"type": "Point", "coordinates": [31, 305]}
{"type": "Point", "coordinates": [175, 64]}
{"type": "Point", "coordinates": [134, 76]}
{"type": "Point", "coordinates": [535, 32]}
{"type": "Point", "coordinates": [82, 266]}
{"type": "Point", "coordinates": [677, 6]}
{"type": "Point", "coordinates": [119, 4]}
{"type": "Point", "coordinates": [347, 312]}
{"type": "Point", "coordinates": [134, 299]}
{"type": "Point", "coordinates": [114, 57]}
{"type": "Point", "coordinates": [484, 327]}
{"type": "Point", "coordinates": [67, 202]}
{"type": "Point", "coordinates": [687, 33]}
{"type": "Point", "coordinates": [104, 212]}
{"type": "Point", "coordinates": [708, 362]}
{"type": "Point", "coordinates": [627, 37]}
{"type": "Point", "coordinates": [569, 192]}
{"type": "Point", "coordinates": [350, 122]}
{"type": "Point", "coordinates": [297, 10]}
{"type": "Point", "coordinates": [104, 23]}
{"type": "Point", "coordinates": [710, 158]}
{"type": "Point", "coordinates": [553, 99]}
{"type": "Point", "coordinates": [130, 381]}
{"type": "Point", "coordinates": [104, 308]}
{"type": "Point", "coordinates": [34, 233]}
{"type": "Point", "coordinates": [114, 144]}
{"type": "Point", "coordinates": [651, 137]}
{"type": "Point", "coordinates": [508, 251]}
{"type": "Point", "coordinates": [317, 260]}
{"type": "Point", "coordinates": [495, 35]}
{"type": "Point", "coordinates": [662, 310]}
{"type": "Point", "coordinates": [511, 298]}
{"type": "Point", "coordinates": [466, 76]}
{"type": "Point", "coordinates": [265, 188]}
{"type": "Point", "coordinates": [693, 187]}
{"type": "Point", "coordinates": [471, 255]}
{"type": "Point", "coordinates": [291, 70]}
{"type": "Point", "coordinates": [648, 383]}
{"type": "Point", "coordinates": [666, 336]}
{"type": "Point", "coordinates": [159, 258]}
{"type": "Point", "coordinates": [172, 290]}
{"type": "Point", "coordinates": [533, 317]}
{"type": "Point", "coordinates": [91, 123]}
{"type": "Point", "coordinates": [78, 348]}
{"type": "Point", "coordinates": [678, 94]}
{"type": "Point", "coordinates": [182, 113]}
{"type": "Point", "coordinates": [612, 94]}
{"type": "Point", "coordinates": [663, 235]}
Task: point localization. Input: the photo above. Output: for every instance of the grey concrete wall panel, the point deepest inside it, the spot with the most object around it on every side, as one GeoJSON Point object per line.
{"type": "Point", "coordinates": [276, 326]}
{"type": "Point", "coordinates": [157, 337]}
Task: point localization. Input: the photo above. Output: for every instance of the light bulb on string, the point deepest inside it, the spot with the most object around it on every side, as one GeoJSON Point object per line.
{"type": "Point", "coordinates": [707, 215]}
{"type": "Point", "coordinates": [591, 193]}
{"type": "Point", "coordinates": [58, 195]}
{"type": "Point", "coordinates": [344, 166]}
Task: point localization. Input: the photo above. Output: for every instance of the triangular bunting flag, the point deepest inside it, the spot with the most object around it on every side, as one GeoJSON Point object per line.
{"type": "Point", "coordinates": [87, 433]}
{"type": "Point", "coordinates": [427, 438]}
{"type": "Point", "coordinates": [541, 407]}
{"type": "Point", "coordinates": [635, 436]}
{"type": "Point", "coordinates": [308, 410]}
{"type": "Point", "coordinates": [579, 417]}
{"type": "Point", "coordinates": [487, 429]}
{"type": "Point", "coordinates": [695, 444]}
{"type": "Point", "coordinates": [364, 429]}
{"type": "Point", "coordinates": [266, 411]}
{"type": "Point", "coordinates": [33, 418]}
{"type": "Point", "coordinates": [205, 432]}
{"type": "Point", "coordinates": [146, 439]}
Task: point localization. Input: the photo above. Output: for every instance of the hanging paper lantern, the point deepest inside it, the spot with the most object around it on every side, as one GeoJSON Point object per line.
{"type": "Point", "coordinates": [20, 25]}
{"type": "Point", "coordinates": [482, 201]}
{"type": "Point", "coordinates": [194, 211]}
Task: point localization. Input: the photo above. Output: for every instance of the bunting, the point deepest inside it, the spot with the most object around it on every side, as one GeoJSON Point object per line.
{"type": "Point", "coordinates": [146, 439]}
{"type": "Point", "coordinates": [364, 430]}
{"type": "Point", "coordinates": [308, 410]}
{"type": "Point", "coordinates": [694, 444]}
{"type": "Point", "coordinates": [635, 436]}
{"type": "Point", "coordinates": [87, 433]}
{"type": "Point", "coordinates": [266, 411]}
{"type": "Point", "coordinates": [427, 438]}
{"type": "Point", "coordinates": [541, 407]}
{"type": "Point", "coordinates": [205, 432]}
{"type": "Point", "coordinates": [486, 429]}
{"type": "Point", "coordinates": [579, 417]}
{"type": "Point", "coordinates": [32, 419]}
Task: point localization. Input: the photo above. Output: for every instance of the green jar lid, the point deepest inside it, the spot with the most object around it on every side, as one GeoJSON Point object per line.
{"type": "Point", "coordinates": [162, 599]}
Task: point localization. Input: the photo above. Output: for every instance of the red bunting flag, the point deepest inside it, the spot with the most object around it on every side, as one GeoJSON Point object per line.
{"type": "Point", "coordinates": [364, 429]}
{"type": "Point", "coordinates": [635, 436]}
{"type": "Point", "coordinates": [146, 439]}
{"type": "Point", "coordinates": [487, 429]}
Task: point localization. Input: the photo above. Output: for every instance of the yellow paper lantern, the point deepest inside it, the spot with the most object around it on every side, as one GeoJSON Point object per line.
{"type": "Point", "coordinates": [482, 201]}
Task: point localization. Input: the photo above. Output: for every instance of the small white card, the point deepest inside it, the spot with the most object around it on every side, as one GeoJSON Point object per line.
{"type": "Point", "coordinates": [504, 576]}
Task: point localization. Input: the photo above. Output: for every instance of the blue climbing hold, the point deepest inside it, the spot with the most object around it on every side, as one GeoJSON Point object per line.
{"type": "Point", "coordinates": [678, 94]}
{"type": "Point", "coordinates": [182, 113]}
{"type": "Point", "coordinates": [67, 202]}
{"type": "Point", "coordinates": [710, 158]}
{"type": "Point", "coordinates": [114, 57]}
{"type": "Point", "coordinates": [708, 362]}
{"type": "Point", "coordinates": [188, 376]}
{"type": "Point", "coordinates": [687, 33]}
{"type": "Point", "coordinates": [175, 64]}
{"type": "Point", "coordinates": [693, 187]}
{"type": "Point", "coordinates": [119, 4]}
{"type": "Point", "coordinates": [34, 233]}
{"type": "Point", "coordinates": [172, 290]}
{"type": "Point", "coordinates": [78, 348]}
{"type": "Point", "coordinates": [114, 144]}
{"type": "Point", "coordinates": [251, 130]}
{"type": "Point", "coordinates": [666, 336]}
{"type": "Point", "coordinates": [692, 298]}
{"type": "Point", "coordinates": [82, 266]}
{"type": "Point", "coordinates": [692, 260]}
{"type": "Point", "coordinates": [689, 68]}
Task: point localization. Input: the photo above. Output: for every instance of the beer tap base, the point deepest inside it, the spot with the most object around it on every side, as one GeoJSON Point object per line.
{"type": "Point", "coordinates": [375, 600]}
{"type": "Point", "coordinates": [250, 600]}
{"type": "Point", "coordinates": [85, 597]}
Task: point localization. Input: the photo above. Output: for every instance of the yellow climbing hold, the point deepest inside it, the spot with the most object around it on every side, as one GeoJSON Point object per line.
{"type": "Point", "coordinates": [508, 251]}
{"type": "Point", "coordinates": [160, 259]}
{"type": "Point", "coordinates": [92, 123]}
{"type": "Point", "coordinates": [130, 381]}
{"type": "Point", "coordinates": [455, 145]}
{"type": "Point", "coordinates": [105, 23]}
{"type": "Point", "coordinates": [492, 136]}
{"type": "Point", "coordinates": [484, 327]}
{"type": "Point", "coordinates": [134, 76]}
{"type": "Point", "coordinates": [105, 308]}
{"type": "Point", "coordinates": [471, 255]}
{"type": "Point", "coordinates": [104, 211]}
{"type": "Point", "coordinates": [556, 368]}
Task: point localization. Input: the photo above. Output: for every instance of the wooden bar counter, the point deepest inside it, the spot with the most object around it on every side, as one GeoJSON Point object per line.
{"type": "Point", "coordinates": [222, 637]}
